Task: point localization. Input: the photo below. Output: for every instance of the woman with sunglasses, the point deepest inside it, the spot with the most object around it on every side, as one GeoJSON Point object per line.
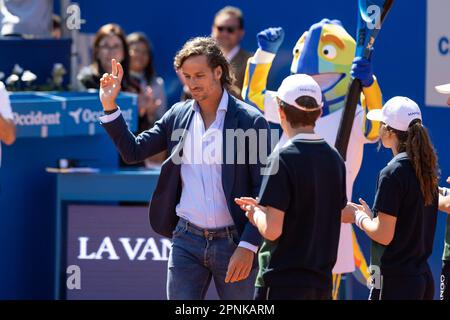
{"type": "Point", "coordinates": [403, 220]}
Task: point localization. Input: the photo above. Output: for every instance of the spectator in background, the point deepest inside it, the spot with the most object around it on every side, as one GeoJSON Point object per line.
{"type": "Point", "coordinates": [26, 18]}
{"type": "Point", "coordinates": [109, 43]}
{"type": "Point", "coordinates": [152, 100]}
{"type": "Point", "coordinates": [7, 127]}
{"type": "Point", "coordinates": [152, 97]}
{"type": "Point", "coordinates": [228, 30]}
{"type": "Point", "coordinates": [56, 27]}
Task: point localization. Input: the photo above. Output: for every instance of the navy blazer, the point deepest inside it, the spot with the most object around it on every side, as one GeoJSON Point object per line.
{"type": "Point", "coordinates": [238, 180]}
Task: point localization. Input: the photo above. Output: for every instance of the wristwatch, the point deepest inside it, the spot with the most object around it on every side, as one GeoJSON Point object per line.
{"type": "Point", "coordinates": [107, 112]}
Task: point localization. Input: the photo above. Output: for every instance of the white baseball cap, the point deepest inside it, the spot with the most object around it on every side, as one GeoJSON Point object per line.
{"type": "Point", "coordinates": [299, 85]}
{"type": "Point", "coordinates": [397, 113]}
{"type": "Point", "coordinates": [445, 88]}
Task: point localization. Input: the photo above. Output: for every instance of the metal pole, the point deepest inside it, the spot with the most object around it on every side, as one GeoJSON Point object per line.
{"type": "Point", "coordinates": [72, 34]}
{"type": "Point", "coordinates": [64, 4]}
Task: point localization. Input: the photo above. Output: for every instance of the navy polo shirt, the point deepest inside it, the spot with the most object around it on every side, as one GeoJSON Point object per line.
{"type": "Point", "coordinates": [398, 194]}
{"type": "Point", "coordinates": [307, 182]}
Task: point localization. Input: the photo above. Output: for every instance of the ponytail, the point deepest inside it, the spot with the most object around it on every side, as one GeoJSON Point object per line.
{"type": "Point", "coordinates": [417, 144]}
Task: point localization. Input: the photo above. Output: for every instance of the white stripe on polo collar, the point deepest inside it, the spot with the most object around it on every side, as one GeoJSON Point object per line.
{"type": "Point", "coordinates": [307, 137]}
{"type": "Point", "coordinates": [397, 157]}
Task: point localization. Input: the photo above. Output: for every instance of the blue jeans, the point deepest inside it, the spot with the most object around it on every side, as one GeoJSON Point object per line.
{"type": "Point", "coordinates": [196, 258]}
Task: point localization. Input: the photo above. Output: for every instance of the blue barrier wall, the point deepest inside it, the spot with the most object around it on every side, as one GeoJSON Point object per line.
{"type": "Point", "coordinates": [28, 206]}
{"type": "Point", "coordinates": [399, 62]}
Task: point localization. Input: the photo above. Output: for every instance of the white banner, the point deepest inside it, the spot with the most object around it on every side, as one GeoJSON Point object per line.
{"type": "Point", "coordinates": [438, 51]}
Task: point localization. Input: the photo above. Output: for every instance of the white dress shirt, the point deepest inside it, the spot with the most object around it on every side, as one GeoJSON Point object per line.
{"type": "Point", "coordinates": [233, 52]}
{"type": "Point", "coordinates": [203, 201]}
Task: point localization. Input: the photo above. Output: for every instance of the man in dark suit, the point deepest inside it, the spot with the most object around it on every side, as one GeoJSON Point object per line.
{"type": "Point", "coordinates": [228, 30]}
{"type": "Point", "coordinates": [210, 165]}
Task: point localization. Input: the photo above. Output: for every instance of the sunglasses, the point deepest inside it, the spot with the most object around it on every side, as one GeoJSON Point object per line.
{"type": "Point", "coordinates": [227, 29]}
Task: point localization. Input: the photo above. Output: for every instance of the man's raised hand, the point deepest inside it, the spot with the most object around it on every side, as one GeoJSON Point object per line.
{"type": "Point", "coordinates": [110, 85]}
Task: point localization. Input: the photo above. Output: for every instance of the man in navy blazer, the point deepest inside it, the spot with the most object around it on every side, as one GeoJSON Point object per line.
{"type": "Point", "coordinates": [194, 202]}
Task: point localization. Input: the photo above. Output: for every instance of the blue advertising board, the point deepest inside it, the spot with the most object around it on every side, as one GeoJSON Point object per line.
{"type": "Point", "coordinates": [56, 114]}
{"type": "Point", "coordinates": [37, 115]}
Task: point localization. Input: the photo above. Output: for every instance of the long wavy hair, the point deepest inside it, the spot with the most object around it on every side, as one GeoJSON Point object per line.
{"type": "Point", "coordinates": [208, 47]}
{"type": "Point", "coordinates": [417, 144]}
